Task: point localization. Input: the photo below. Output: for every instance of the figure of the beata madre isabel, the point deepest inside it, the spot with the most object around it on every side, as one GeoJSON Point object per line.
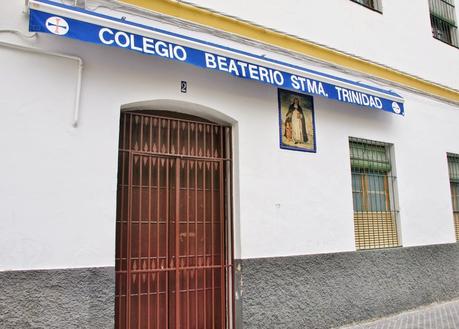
{"type": "Point", "coordinates": [295, 123]}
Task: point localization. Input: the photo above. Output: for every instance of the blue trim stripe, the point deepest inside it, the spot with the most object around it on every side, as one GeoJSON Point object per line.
{"type": "Point", "coordinates": [207, 43]}
{"type": "Point", "coordinates": [98, 34]}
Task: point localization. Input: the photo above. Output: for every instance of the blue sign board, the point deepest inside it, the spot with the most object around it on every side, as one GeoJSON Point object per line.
{"type": "Point", "coordinates": [344, 90]}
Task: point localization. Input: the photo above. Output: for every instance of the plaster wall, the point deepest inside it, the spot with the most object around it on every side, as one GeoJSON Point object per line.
{"type": "Point", "coordinates": [59, 182]}
{"type": "Point", "coordinates": [400, 37]}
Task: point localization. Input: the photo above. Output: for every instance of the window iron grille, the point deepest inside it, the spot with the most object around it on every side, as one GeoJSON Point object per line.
{"type": "Point", "coordinates": [373, 190]}
{"type": "Point", "coordinates": [453, 167]}
{"type": "Point", "coordinates": [443, 21]}
{"type": "Point", "coordinates": [371, 4]}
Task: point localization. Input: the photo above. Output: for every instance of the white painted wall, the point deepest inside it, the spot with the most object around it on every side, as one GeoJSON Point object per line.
{"type": "Point", "coordinates": [400, 38]}
{"type": "Point", "coordinates": [58, 187]}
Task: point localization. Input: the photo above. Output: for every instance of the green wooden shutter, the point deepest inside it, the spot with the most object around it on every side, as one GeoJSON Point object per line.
{"type": "Point", "coordinates": [444, 10]}
{"type": "Point", "coordinates": [369, 157]}
{"type": "Point", "coordinates": [453, 166]}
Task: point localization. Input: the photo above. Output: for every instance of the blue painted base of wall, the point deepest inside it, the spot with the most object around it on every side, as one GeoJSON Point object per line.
{"type": "Point", "coordinates": [330, 290]}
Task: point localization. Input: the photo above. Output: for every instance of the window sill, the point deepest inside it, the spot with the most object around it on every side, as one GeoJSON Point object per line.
{"type": "Point", "coordinates": [368, 7]}
{"type": "Point", "coordinates": [446, 43]}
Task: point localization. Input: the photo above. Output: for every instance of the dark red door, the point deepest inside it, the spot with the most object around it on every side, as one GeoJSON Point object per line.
{"type": "Point", "coordinates": [173, 255]}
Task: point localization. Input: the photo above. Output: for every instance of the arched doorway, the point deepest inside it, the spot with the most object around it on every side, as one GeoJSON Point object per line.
{"type": "Point", "coordinates": [173, 235]}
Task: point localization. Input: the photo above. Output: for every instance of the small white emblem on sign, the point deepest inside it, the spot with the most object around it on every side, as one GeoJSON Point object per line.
{"type": "Point", "coordinates": [57, 25]}
{"type": "Point", "coordinates": [396, 108]}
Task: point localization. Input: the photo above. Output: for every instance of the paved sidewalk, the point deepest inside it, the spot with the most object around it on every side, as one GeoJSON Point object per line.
{"type": "Point", "coordinates": [435, 316]}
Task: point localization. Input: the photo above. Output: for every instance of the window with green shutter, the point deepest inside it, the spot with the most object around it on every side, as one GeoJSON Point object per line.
{"type": "Point", "coordinates": [373, 194]}
{"type": "Point", "coordinates": [443, 21]}
{"type": "Point", "coordinates": [453, 168]}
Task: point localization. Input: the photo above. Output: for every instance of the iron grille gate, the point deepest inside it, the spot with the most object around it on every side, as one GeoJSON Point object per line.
{"type": "Point", "coordinates": [173, 240]}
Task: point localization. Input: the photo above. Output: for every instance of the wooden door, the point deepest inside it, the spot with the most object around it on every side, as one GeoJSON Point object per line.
{"type": "Point", "coordinates": [173, 245]}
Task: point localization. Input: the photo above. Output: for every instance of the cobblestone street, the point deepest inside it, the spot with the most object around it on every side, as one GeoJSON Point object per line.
{"type": "Point", "coordinates": [436, 316]}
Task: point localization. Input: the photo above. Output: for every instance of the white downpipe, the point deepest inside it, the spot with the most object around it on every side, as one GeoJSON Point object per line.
{"type": "Point", "coordinates": [76, 111]}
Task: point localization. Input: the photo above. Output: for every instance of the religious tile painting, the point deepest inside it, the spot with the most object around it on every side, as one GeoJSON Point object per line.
{"type": "Point", "coordinates": [296, 120]}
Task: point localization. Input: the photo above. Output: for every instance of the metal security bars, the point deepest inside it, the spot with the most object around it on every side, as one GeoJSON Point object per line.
{"type": "Point", "coordinates": [453, 166]}
{"type": "Point", "coordinates": [443, 21]}
{"type": "Point", "coordinates": [373, 190]}
{"type": "Point", "coordinates": [174, 234]}
{"type": "Point", "coordinates": [372, 4]}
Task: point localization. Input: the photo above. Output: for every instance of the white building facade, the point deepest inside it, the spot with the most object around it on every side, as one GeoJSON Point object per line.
{"type": "Point", "coordinates": [313, 239]}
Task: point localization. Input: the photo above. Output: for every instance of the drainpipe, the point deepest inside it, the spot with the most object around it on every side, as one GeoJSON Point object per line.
{"type": "Point", "coordinates": [76, 111]}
